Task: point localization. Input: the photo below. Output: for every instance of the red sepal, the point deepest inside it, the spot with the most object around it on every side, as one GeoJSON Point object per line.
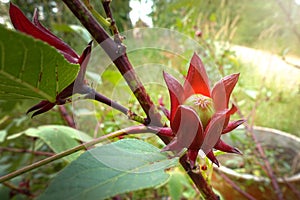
{"type": "Point", "coordinates": [21, 23]}
{"type": "Point", "coordinates": [222, 146]}
{"type": "Point", "coordinates": [190, 130]}
{"type": "Point", "coordinates": [197, 81]}
{"type": "Point", "coordinates": [233, 125]}
{"type": "Point", "coordinates": [176, 93]}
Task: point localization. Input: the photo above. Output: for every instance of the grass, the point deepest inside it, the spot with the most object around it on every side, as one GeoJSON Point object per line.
{"type": "Point", "coordinates": [271, 103]}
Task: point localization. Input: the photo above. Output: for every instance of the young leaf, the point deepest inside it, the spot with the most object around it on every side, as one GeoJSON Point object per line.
{"type": "Point", "coordinates": [30, 68]}
{"type": "Point", "coordinates": [111, 169]}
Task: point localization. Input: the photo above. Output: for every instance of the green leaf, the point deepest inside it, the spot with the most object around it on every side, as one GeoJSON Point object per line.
{"type": "Point", "coordinates": [81, 31]}
{"type": "Point", "coordinates": [112, 76]}
{"type": "Point", "coordinates": [175, 186]}
{"type": "Point", "coordinates": [59, 129]}
{"type": "Point", "coordinates": [58, 138]}
{"type": "Point", "coordinates": [179, 186]}
{"type": "Point", "coordinates": [108, 170]}
{"type": "Point", "coordinates": [30, 68]}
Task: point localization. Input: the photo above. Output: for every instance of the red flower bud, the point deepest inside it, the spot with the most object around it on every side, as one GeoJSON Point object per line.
{"type": "Point", "coordinates": [199, 115]}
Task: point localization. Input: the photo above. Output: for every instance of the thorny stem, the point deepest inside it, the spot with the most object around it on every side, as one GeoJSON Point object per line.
{"type": "Point", "coordinates": [117, 53]}
{"type": "Point", "coordinates": [130, 130]}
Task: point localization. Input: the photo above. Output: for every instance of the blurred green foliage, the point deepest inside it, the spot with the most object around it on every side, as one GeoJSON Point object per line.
{"type": "Point", "coordinates": [268, 24]}
{"type": "Point", "coordinates": [260, 24]}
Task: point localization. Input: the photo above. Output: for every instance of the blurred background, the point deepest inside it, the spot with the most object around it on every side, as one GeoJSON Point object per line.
{"type": "Point", "coordinates": [260, 39]}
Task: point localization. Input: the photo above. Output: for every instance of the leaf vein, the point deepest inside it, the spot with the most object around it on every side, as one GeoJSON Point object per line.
{"type": "Point", "coordinates": [21, 82]}
{"type": "Point", "coordinates": [24, 62]}
{"type": "Point", "coordinates": [41, 69]}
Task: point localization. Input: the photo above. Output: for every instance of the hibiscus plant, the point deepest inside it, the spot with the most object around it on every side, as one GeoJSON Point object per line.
{"type": "Point", "coordinates": [197, 117]}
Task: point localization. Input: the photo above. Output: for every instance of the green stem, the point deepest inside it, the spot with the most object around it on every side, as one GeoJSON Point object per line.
{"type": "Point", "coordinates": [99, 17]}
{"type": "Point", "coordinates": [129, 130]}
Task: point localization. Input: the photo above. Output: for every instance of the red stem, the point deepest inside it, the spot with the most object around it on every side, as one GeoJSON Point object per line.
{"type": "Point", "coordinates": [199, 180]}
{"type": "Point", "coordinates": [65, 115]}
{"type": "Point", "coordinates": [113, 27]}
{"type": "Point", "coordinates": [117, 53]}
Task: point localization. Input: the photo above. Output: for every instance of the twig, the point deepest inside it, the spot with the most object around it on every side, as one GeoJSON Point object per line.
{"type": "Point", "coordinates": [65, 115]}
{"type": "Point", "coordinates": [133, 129]}
{"type": "Point", "coordinates": [103, 99]}
{"type": "Point", "coordinates": [18, 190]}
{"type": "Point", "coordinates": [261, 151]}
{"type": "Point", "coordinates": [99, 17]}
{"type": "Point", "coordinates": [15, 150]}
{"type": "Point", "coordinates": [267, 164]}
{"type": "Point", "coordinates": [290, 63]}
{"type": "Point", "coordinates": [113, 26]}
{"type": "Point", "coordinates": [236, 187]}
{"type": "Point", "coordinates": [293, 188]}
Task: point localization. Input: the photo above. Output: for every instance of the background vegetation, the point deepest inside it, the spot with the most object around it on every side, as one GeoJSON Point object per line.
{"type": "Point", "coordinates": [265, 97]}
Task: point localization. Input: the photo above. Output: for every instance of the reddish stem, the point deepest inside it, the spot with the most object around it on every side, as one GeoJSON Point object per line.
{"type": "Point", "coordinates": [65, 115]}
{"type": "Point", "coordinates": [117, 53]}
{"type": "Point", "coordinates": [113, 27]}
{"type": "Point", "coordinates": [236, 187]}
{"type": "Point", "coordinates": [293, 188]}
{"type": "Point", "coordinates": [15, 150]}
{"type": "Point", "coordinates": [261, 151]}
{"type": "Point", "coordinates": [199, 180]}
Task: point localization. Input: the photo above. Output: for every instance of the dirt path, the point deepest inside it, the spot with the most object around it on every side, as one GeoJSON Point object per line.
{"type": "Point", "coordinates": [272, 66]}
